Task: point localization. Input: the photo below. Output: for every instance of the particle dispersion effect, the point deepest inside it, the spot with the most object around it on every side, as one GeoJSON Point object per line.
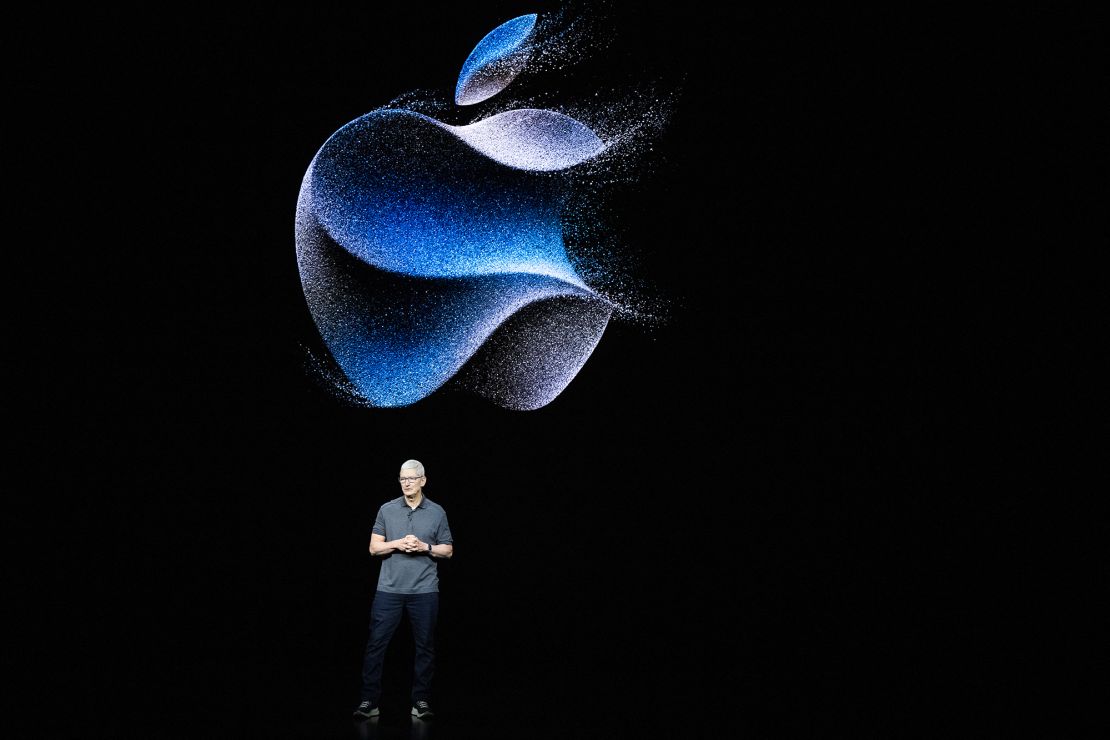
{"type": "Point", "coordinates": [432, 253]}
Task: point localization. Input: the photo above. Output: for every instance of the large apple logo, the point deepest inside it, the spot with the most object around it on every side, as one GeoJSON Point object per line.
{"type": "Point", "coordinates": [431, 253]}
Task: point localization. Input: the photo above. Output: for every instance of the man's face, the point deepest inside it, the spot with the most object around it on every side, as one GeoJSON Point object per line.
{"type": "Point", "coordinates": [410, 482]}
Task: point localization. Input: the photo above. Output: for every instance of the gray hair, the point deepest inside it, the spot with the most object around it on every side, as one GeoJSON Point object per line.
{"type": "Point", "coordinates": [414, 465]}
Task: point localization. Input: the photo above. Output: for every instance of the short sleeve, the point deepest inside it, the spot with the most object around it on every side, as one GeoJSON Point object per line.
{"type": "Point", "coordinates": [379, 523]}
{"type": "Point", "coordinates": [443, 532]}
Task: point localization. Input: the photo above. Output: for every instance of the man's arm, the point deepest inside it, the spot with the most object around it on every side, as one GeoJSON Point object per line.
{"type": "Point", "coordinates": [379, 547]}
{"type": "Point", "coordinates": [443, 550]}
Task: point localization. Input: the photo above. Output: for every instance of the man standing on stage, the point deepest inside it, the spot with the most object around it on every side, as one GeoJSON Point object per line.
{"type": "Point", "coordinates": [410, 534]}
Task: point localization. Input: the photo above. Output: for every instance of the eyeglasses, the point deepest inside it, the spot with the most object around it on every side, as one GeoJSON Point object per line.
{"type": "Point", "coordinates": [409, 480]}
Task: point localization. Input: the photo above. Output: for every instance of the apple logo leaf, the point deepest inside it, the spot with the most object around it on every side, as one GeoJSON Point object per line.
{"type": "Point", "coordinates": [496, 61]}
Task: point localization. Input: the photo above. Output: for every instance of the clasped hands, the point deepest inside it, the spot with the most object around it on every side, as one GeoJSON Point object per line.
{"type": "Point", "coordinates": [409, 543]}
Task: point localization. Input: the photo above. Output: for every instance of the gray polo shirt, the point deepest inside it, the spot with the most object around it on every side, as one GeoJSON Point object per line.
{"type": "Point", "coordinates": [411, 573]}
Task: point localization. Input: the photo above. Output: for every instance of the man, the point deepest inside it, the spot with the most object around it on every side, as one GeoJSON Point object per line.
{"type": "Point", "coordinates": [410, 534]}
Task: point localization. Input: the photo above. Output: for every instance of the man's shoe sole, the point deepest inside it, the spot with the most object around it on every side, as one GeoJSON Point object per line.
{"type": "Point", "coordinates": [420, 715]}
{"type": "Point", "coordinates": [372, 713]}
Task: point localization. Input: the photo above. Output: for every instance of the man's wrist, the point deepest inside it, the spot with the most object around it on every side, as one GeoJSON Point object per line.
{"type": "Point", "coordinates": [429, 549]}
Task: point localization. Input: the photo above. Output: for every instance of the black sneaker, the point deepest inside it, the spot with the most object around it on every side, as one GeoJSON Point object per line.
{"type": "Point", "coordinates": [421, 709]}
{"type": "Point", "coordinates": [366, 710]}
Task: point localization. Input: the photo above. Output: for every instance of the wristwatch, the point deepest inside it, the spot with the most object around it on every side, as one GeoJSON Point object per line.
{"type": "Point", "coordinates": [429, 549]}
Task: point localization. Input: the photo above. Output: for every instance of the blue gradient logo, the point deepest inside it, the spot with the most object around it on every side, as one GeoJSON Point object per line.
{"type": "Point", "coordinates": [434, 254]}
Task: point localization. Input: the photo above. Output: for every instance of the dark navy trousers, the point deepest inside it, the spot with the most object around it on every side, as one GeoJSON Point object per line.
{"type": "Point", "coordinates": [385, 615]}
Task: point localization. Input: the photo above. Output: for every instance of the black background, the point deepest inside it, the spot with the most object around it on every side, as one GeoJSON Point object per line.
{"type": "Point", "coordinates": [780, 514]}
